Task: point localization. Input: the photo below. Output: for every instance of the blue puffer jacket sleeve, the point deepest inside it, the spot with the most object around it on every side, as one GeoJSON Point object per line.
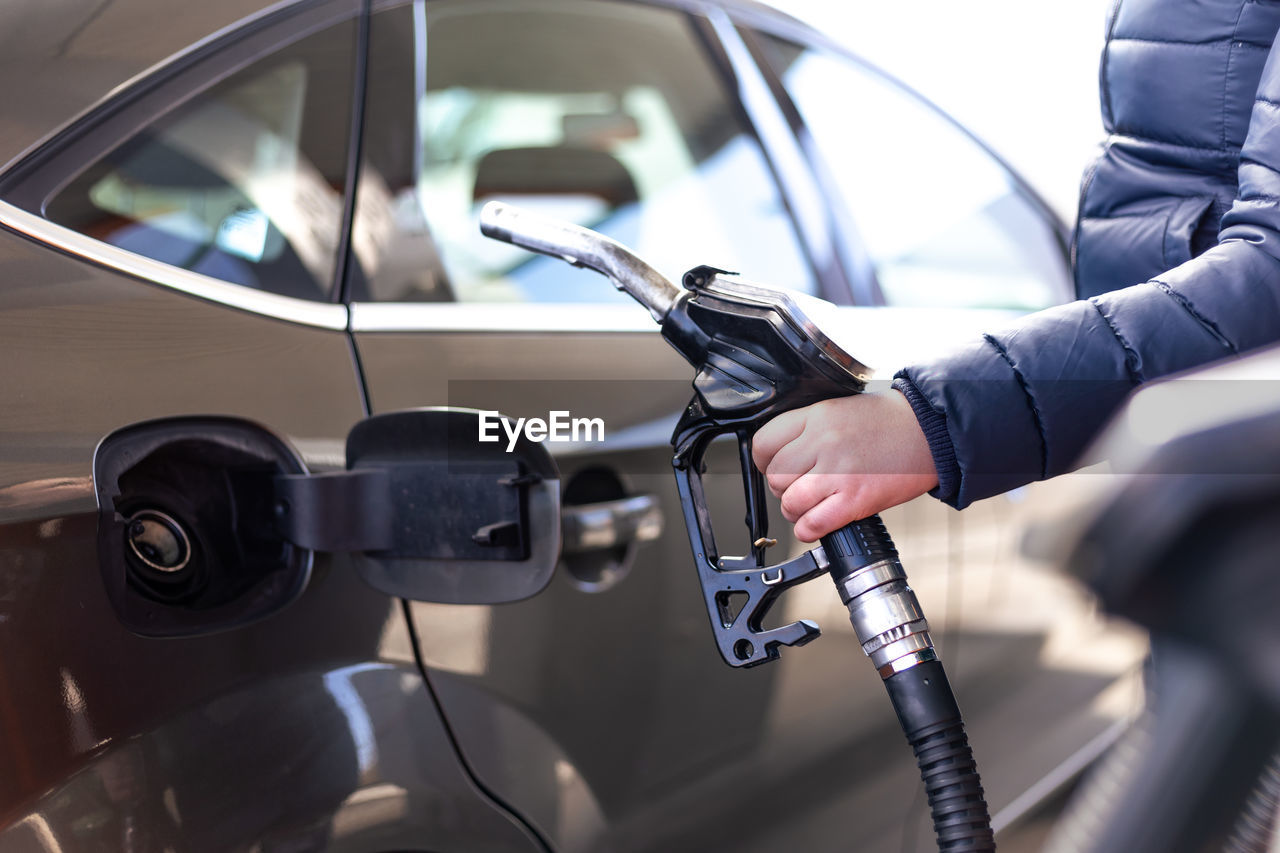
{"type": "Point", "coordinates": [1022, 404]}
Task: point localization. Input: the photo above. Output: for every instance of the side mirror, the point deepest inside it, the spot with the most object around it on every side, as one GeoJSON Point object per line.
{"type": "Point", "coordinates": [209, 523]}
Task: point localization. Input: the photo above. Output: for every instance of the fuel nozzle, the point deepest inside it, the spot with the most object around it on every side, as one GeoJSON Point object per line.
{"type": "Point", "coordinates": [756, 354]}
{"type": "Point", "coordinates": [582, 248]}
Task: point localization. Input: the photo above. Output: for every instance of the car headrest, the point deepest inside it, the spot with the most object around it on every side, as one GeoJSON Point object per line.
{"type": "Point", "coordinates": [560, 170]}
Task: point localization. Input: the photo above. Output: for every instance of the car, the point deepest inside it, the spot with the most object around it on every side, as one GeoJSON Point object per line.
{"type": "Point", "coordinates": [233, 235]}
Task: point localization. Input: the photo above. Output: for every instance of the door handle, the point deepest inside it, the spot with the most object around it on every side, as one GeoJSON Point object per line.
{"type": "Point", "coordinates": [609, 524]}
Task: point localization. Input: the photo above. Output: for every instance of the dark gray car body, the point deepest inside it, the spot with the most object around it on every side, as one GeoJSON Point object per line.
{"type": "Point", "coordinates": [596, 715]}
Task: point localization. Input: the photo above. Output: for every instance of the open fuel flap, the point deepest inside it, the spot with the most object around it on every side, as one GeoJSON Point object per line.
{"type": "Point", "coordinates": [208, 523]}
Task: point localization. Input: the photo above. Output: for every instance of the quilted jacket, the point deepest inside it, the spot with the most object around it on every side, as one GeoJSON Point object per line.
{"type": "Point", "coordinates": [1176, 251]}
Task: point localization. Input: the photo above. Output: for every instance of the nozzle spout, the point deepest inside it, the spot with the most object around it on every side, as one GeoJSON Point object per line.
{"type": "Point", "coordinates": [581, 247]}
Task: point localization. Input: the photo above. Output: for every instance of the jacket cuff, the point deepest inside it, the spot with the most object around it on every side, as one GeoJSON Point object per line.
{"type": "Point", "coordinates": [934, 425]}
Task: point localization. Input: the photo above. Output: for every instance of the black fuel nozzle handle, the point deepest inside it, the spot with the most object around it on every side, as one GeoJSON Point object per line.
{"type": "Point", "coordinates": [887, 619]}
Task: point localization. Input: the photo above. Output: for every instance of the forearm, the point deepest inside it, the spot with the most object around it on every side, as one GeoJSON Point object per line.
{"type": "Point", "coordinates": [1023, 404]}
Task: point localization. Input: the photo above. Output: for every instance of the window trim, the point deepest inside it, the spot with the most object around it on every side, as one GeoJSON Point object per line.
{"type": "Point", "coordinates": [728, 69]}
{"type": "Point", "coordinates": [745, 21]}
{"type": "Point", "coordinates": [142, 100]}
{"type": "Point", "coordinates": [512, 317]}
{"type": "Point", "coordinates": [789, 165]}
{"type": "Point", "coordinates": [325, 315]}
{"type": "Point", "coordinates": [338, 283]}
{"type": "Point", "coordinates": [751, 25]}
{"type": "Point", "coordinates": [848, 245]}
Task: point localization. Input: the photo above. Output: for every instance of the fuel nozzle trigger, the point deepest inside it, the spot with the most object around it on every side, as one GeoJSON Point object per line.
{"type": "Point", "coordinates": [738, 591]}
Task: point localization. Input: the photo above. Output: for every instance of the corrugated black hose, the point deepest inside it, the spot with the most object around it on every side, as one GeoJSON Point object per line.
{"type": "Point", "coordinates": [893, 632]}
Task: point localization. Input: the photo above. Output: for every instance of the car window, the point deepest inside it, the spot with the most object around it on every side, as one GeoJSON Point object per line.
{"type": "Point", "coordinates": [243, 182]}
{"type": "Point", "coordinates": [944, 223]}
{"type": "Point", "coordinates": [607, 114]}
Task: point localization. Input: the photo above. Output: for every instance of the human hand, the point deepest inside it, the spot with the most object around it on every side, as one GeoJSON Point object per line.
{"type": "Point", "coordinates": [844, 459]}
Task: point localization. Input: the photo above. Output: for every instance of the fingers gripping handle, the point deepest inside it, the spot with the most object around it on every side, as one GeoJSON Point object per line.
{"type": "Point", "coordinates": [894, 633]}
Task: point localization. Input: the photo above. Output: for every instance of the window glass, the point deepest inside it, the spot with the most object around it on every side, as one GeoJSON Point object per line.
{"type": "Point", "coordinates": [244, 182]}
{"type": "Point", "coordinates": [609, 115]}
{"type": "Point", "coordinates": [943, 222]}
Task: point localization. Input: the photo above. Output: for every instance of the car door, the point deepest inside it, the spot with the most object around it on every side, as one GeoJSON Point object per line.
{"type": "Point", "coordinates": [170, 263]}
{"type": "Point", "coordinates": [600, 710]}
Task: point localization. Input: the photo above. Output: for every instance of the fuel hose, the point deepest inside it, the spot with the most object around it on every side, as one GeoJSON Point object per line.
{"type": "Point", "coordinates": [893, 632]}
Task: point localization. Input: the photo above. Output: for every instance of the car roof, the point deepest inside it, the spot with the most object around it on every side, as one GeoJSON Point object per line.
{"type": "Point", "coordinates": [59, 59]}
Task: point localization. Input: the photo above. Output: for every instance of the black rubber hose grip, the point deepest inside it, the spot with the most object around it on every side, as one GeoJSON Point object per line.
{"type": "Point", "coordinates": [931, 720]}
{"type": "Point", "coordinates": [858, 544]}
